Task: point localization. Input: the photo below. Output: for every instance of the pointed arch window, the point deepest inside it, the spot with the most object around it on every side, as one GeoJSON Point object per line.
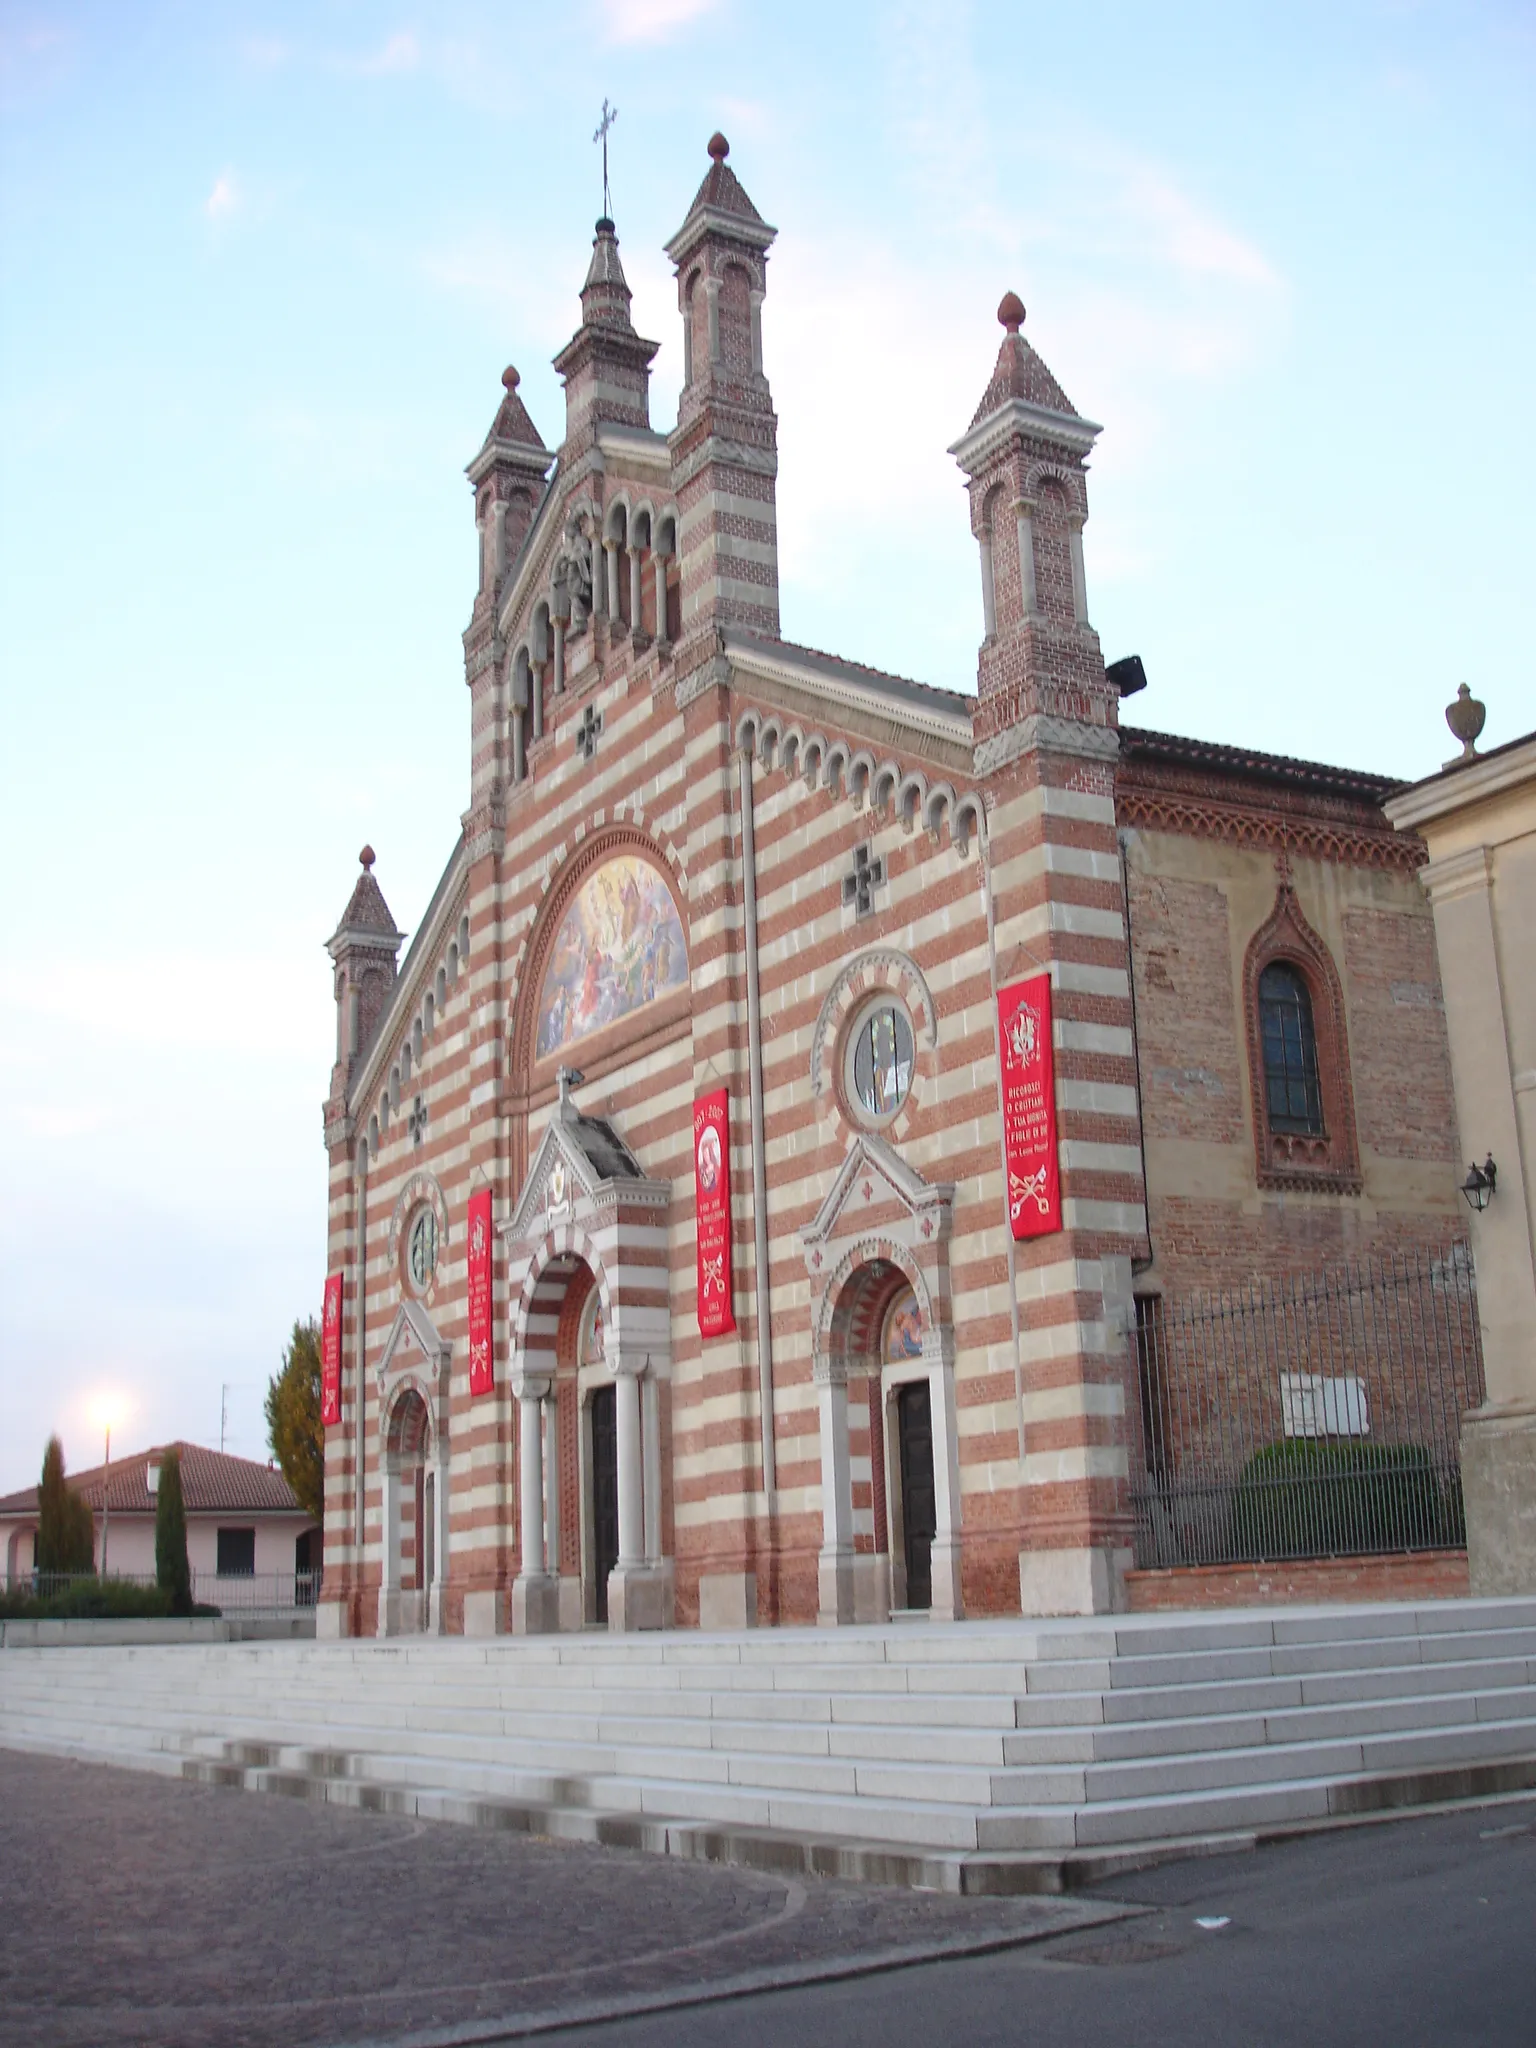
{"type": "Point", "coordinates": [1293, 1096]}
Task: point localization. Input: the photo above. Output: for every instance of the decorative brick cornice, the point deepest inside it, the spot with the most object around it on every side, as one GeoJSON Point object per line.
{"type": "Point", "coordinates": [1040, 733]}
{"type": "Point", "coordinates": [1267, 827]}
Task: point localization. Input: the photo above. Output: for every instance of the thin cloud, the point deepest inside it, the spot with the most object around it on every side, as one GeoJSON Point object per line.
{"type": "Point", "coordinates": [224, 199]}
{"type": "Point", "coordinates": [1190, 237]}
{"type": "Point", "coordinates": [651, 21]}
{"type": "Point", "coordinates": [401, 52]}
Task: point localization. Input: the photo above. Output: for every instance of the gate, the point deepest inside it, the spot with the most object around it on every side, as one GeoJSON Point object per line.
{"type": "Point", "coordinates": [1311, 1416]}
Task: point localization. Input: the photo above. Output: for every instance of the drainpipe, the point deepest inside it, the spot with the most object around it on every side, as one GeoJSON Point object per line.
{"type": "Point", "coordinates": [1130, 975]}
{"type": "Point", "coordinates": [984, 844]}
{"type": "Point", "coordinates": [361, 1313]}
{"type": "Point", "coordinates": [759, 1160]}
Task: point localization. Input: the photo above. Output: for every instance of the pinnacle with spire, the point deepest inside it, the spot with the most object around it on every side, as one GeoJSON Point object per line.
{"type": "Point", "coordinates": [1019, 372]}
{"type": "Point", "coordinates": [605, 296]}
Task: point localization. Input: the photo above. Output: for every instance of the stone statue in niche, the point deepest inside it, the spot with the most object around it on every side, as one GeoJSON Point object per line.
{"type": "Point", "coordinates": [573, 569]}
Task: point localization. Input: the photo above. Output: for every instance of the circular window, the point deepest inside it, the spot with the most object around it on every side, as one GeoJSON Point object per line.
{"type": "Point", "coordinates": [421, 1249]}
{"type": "Point", "coordinates": [879, 1066]}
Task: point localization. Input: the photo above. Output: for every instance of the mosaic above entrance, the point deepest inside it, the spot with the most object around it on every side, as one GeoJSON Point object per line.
{"type": "Point", "coordinates": [620, 946]}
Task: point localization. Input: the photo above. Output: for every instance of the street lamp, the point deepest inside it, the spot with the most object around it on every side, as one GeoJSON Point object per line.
{"type": "Point", "coordinates": [1480, 1183]}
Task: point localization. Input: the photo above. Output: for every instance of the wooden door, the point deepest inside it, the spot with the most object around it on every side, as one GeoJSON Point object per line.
{"type": "Point", "coordinates": [605, 1493]}
{"type": "Point", "coordinates": [919, 1504]}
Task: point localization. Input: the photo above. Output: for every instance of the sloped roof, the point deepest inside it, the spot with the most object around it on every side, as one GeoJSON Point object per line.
{"type": "Point", "coordinates": [513, 422]}
{"type": "Point", "coordinates": [212, 1482]}
{"type": "Point", "coordinates": [1020, 373]}
{"type": "Point", "coordinates": [723, 191]}
{"type": "Point", "coordinates": [1175, 750]}
{"type": "Point", "coordinates": [611, 1158]}
{"type": "Point", "coordinates": [366, 909]}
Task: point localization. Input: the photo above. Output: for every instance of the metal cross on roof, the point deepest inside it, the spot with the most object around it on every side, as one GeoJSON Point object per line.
{"type": "Point", "coordinates": [600, 134]}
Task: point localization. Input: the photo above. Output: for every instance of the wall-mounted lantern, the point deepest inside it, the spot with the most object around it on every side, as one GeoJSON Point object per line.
{"type": "Point", "coordinates": [1480, 1183]}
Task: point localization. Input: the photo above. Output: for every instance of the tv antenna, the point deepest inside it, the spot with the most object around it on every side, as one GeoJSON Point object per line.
{"type": "Point", "coordinates": [600, 134]}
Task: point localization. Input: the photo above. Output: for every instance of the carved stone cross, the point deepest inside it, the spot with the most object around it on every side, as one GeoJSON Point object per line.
{"type": "Point", "coordinates": [416, 1122]}
{"type": "Point", "coordinates": [859, 887]}
{"type": "Point", "coordinates": [587, 731]}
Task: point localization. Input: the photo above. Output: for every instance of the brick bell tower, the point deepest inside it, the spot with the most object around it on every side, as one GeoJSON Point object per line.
{"type": "Point", "coordinates": [1047, 738]}
{"type": "Point", "coordinates": [507, 477]}
{"type": "Point", "coordinates": [1025, 459]}
{"type": "Point", "coordinates": [725, 444]}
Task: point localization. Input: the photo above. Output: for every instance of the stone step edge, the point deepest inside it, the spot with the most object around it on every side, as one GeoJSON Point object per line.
{"type": "Point", "coordinates": [975, 1873]}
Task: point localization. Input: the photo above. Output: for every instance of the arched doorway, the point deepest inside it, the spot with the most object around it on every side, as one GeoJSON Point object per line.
{"type": "Point", "coordinates": [889, 1478]}
{"type": "Point", "coordinates": [411, 1584]}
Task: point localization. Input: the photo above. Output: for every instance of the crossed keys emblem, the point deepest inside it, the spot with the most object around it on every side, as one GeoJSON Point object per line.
{"type": "Point", "coordinates": [332, 1303]}
{"type": "Point", "coordinates": [714, 1275]}
{"type": "Point", "coordinates": [1022, 1189]}
{"type": "Point", "coordinates": [477, 1237]}
{"type": "Point", "coordinates": [480, 1354]}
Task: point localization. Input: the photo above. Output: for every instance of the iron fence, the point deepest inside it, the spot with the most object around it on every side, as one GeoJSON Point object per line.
{"type": "Point", "coordinates": [251, 1595]}
{"type": "Point", "coordinates": [1312, 1416]}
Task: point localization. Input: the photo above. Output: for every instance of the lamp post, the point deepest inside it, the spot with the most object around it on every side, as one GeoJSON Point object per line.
{"type": "Point", "coordinates": [1480, 1183]}
{"type": "Point", "coordinates": [106, 1500]}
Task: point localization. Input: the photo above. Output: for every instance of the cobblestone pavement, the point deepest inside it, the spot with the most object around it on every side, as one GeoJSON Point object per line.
{"type": "Point", "coordinates": [140, 1909]}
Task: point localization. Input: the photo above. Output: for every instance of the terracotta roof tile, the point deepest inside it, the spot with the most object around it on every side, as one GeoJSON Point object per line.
{"type": "Point", "coordinates": [1136, 744]}
{"type": "Point", "coordinates": [1019, 373]}
{"type": "Point", "coordinates": [212, 1482]}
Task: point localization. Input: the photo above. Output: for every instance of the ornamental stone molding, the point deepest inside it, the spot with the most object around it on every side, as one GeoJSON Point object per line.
{"type": "Point", "coordinates": [1039, 732]}
{"type": "Point", "coordinates": [876, 969]}
{"type": "Point", "coordinates": [416, 1358]}
{"type": "Point", "coordinates": [417, 1188]}
{"type": "Point", "coordinates": [878, 1208]}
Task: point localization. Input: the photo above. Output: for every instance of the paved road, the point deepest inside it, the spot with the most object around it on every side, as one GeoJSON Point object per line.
{"type": "Point", "coordinates": [136, 1909]}
{"type": "Point", "coordinates": [1379, 1937]}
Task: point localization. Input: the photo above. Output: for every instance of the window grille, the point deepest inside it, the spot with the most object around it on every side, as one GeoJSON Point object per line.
{"type": "Point", "coordinates": [1293, 1096]}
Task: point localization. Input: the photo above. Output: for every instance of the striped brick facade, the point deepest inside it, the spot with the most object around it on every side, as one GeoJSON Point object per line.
{"type": "Point", "coordinates": [630, 694]}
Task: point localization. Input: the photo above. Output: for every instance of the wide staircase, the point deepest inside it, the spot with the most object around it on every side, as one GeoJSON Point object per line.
{"type": "Point", "coordinates": [975, 1756]}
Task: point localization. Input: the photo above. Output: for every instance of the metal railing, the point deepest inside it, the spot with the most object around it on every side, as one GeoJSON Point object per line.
{"type": "Point", "coordinates": [251, 1595]}
{"type": "Point", "coordinates": [1311, 1416]}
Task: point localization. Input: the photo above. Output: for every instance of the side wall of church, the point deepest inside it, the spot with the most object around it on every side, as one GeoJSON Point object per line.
{"type": "Point", "coordinates": [1196, 904]}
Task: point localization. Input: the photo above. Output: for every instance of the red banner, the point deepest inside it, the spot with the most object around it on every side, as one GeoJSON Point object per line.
{"type": "Point", "coordinates": [712, 1211]}
{"type": "Point", "coordinates": [481, 1370]}
{"type": "Point", "coordinates": [1029, 1107]}
{"type": "Point", "coordinates": [330, 1353]}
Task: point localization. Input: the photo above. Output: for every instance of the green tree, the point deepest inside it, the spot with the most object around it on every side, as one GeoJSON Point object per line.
{"type": "Point", "coordinates": [173, 1574]}
{"type": "Point", "coordinates": [293, 1418]}
{"type": "Point", "coordinates": [66, 1530]}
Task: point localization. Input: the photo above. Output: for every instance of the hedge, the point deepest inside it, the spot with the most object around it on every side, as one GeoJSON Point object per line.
{"type": "Point", "coordinates": [1323, 1497]}
{"type": "Point", "coordinates": [91, 1599]}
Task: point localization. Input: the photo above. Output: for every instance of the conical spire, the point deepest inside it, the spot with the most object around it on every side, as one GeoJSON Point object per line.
{"type": "Point", "coordinates": [367, 914]}
{"type": "Point", "coordinates": [1019, 372]}
{"type": "Point", "coordinates": [605, 296]}
{"type": "Point", "coordinates": [722, 206]}
{"type": "Point", "coordinates": [512, 425]}
{"type": "Point", "coordinates": [605, 364]}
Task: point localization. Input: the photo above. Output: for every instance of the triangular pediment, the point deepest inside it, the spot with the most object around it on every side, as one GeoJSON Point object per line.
{"type": "Point", "coordinates": [579, 1158]}
{"type": "Point", "coordinates": [872, 1175]}
{"type": "Point", "coordinates": [413, 1334]}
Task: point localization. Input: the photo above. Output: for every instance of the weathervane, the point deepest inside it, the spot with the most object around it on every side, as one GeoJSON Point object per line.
{"type": "Point", "coordinates": [600, 134]}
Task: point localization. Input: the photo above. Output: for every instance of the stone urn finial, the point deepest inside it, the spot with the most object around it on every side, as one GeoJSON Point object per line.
{"type": "Point", "coordinates": [1466, 718]}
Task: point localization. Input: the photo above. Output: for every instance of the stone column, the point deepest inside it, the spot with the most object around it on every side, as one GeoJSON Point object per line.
{"type": "Point", "coordinates": [1023, 513]}
{"type": "Point", "coordinates": [558, 630]}
{"type": "Point", "coordinates": [535, 1594]}
{"type": "Point", "coordinates": [1079, 577]}
{"type": "Point", "coordinates": [435, 1617]}
{"type": "Point", "coordinates": [551, 1414]}
{"type": "Point", "coordinates": [611, 557]}
{"type": "Point", "coordinates": [988, 591]}
{"type": "Point", "coordinates": [834, 1570]}
{"type": "Point", "coordinates": [650, 1401]}
{"type": "Point", "coordinates": [640, 1588]}
{"type": "Point", "coordinates": [389, 1584]}
{"type": "Point", "coordinates": [944, 1568]}
{"type": "Point", "coordinates": [636, 597]}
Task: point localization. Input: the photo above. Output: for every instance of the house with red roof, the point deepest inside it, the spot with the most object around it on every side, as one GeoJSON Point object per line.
{"type": "Point", "coordinates": [246, 1531]}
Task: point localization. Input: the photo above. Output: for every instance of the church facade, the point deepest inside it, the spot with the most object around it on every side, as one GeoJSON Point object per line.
{"type": "Point", "coordinates": [741, 1191]}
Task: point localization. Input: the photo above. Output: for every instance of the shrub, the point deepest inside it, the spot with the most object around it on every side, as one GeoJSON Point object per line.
{"type": "Point", "coordinates": [172, 1571]}
{"type": "Point", "coordinates": [1329, 1497]}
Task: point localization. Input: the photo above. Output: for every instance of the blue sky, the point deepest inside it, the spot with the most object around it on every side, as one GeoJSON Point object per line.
{"type": "Point", "coordinates": [260, 269]}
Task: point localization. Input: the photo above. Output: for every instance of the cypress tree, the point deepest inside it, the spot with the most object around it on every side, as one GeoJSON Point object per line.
{"type": "Point", "coordinates": [172, 1571]}
{"type": "Point", "coordinates": [53, 1530]}
{"type": "Point", "coordinates": [66, 1529]}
